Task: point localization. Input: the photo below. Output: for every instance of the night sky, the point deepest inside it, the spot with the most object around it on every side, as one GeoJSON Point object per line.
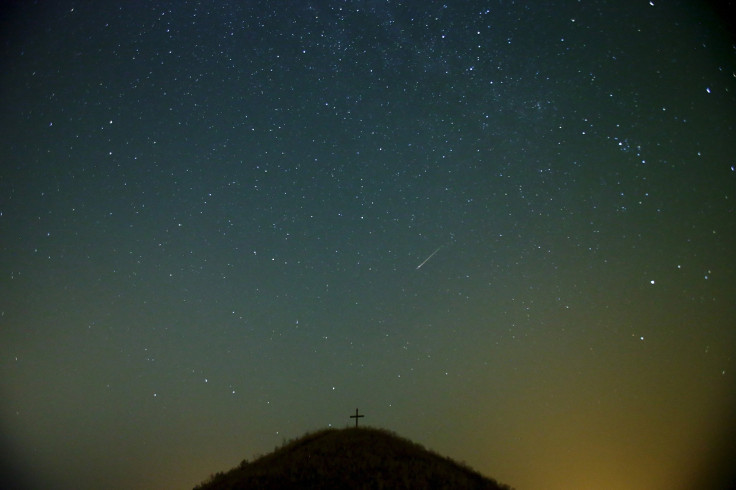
{"type": "Point", "coordinates": [215, 220]}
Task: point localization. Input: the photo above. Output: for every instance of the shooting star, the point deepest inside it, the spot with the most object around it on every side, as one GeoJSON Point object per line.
{"type": "Point", "coordinates": [430, 256]}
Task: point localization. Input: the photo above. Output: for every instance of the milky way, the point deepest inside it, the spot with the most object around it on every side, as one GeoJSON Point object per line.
{"type": "Point", "coordinates": [212, 215]}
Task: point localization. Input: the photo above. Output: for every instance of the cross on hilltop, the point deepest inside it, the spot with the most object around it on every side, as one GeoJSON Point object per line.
{"type": "Point", "coordinates": [356, 417]}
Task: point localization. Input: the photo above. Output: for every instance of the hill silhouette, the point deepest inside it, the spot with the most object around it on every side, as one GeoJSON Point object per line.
{"type": "Point", "coordinates": [355, 458]}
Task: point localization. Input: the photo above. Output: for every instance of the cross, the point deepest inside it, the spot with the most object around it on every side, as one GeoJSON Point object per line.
{"type": "Point", "coordinates": [356, 417]}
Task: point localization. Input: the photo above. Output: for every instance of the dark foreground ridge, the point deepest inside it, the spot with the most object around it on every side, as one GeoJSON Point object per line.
{"type": "Point", "coordinates": [355, 458]}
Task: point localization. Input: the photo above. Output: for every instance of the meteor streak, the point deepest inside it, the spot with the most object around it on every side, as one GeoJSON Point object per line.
{"type": "Point", "coordinates": [430, 256]}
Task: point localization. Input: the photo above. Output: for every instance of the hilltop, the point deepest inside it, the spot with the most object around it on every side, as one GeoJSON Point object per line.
{"type": "Point", "coordinates": [356, 458]}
